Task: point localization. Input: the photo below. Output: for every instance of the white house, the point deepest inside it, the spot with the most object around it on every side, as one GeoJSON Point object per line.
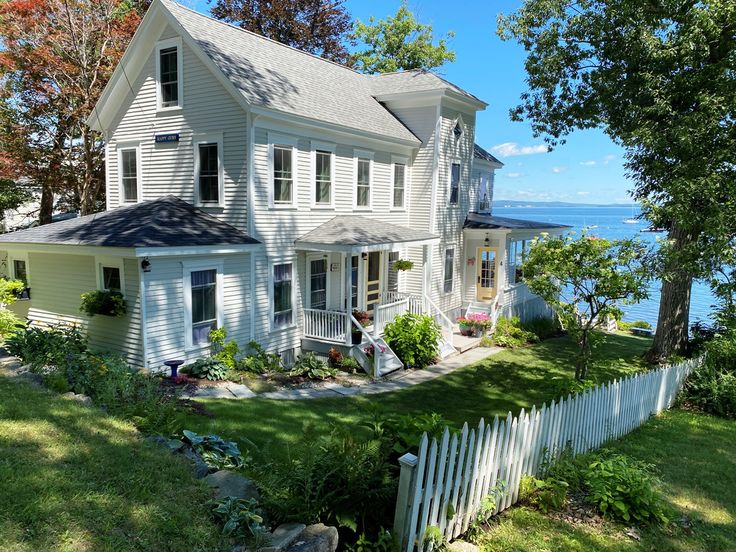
{"type": "Point", "coordinates": [259, 187]}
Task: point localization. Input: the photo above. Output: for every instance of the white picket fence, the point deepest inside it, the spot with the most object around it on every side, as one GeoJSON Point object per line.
{"type": "Point", "coordinates": [445, 485]}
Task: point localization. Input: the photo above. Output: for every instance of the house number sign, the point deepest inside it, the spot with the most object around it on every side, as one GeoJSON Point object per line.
{"type": "Point", "coordinates": [166, 138]}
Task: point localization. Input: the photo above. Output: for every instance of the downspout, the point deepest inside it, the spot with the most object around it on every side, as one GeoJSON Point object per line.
{"type": "Point", "coordinates": [144, 313]}
{"type": "Point", "coordinates": [251, 223]}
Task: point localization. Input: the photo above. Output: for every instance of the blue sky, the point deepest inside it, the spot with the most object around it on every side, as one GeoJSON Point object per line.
{"type": "Point", "coordinates": [587, 169]}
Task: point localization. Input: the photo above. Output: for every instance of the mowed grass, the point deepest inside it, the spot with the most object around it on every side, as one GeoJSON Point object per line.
{"type": "Point", "coordinates": [508, 381]}
{"type": "Point", "coordinates": [695, 457]}
{"type": "Point", "coordinates": [73, 478]}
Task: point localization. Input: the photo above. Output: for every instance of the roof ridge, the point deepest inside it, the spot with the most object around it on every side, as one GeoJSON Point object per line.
{"type": "Point", "coordinates": [256, 35]}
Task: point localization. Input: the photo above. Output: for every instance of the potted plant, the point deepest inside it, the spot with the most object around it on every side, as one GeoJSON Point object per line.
{"type": "Point", "coordinates": [105, 302]}
{"type": "Point", "coordinates": [363, 319]}
{"type": "Point", "coordinates": [466, 326]}
{"type": "Point", "coordinates": [480, 323]}
{"type": "Point", "coordinates": [403, 264]}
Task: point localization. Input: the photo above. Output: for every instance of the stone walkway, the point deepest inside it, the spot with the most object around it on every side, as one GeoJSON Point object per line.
{"type": "Point", "coordinates": [393, 382]}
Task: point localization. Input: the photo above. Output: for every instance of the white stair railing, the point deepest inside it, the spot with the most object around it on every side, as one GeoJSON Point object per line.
{"type": "Point", "coordinates": [326, 325]}
{"type": "Point", "coordinates": [380, 351]}
{"type": "Point", "coordinates": [445, 323]}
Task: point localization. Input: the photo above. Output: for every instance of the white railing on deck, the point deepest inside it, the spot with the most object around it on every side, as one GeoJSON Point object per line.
{"type": "Point", "coordinates": [385, 313]}
{"type": "Point", "coordinates": [444, 486]}
{"type": "Point", "coordinates": [326, 325]}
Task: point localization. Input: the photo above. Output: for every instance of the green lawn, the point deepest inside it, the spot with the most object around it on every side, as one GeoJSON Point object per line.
{"type": "Point", "coordinates": [695, 456]}
{"type": "Point", "coordinates": [73, 478]}
{"type": "Point", "coordinates": [508, 381]}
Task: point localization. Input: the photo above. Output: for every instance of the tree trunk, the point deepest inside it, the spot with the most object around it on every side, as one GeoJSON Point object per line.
{"type": "Point", "coordinates": [47, 204]}
{"type": "Point", "coordinates": [671, 337]}
{"type": "Point", "coordinates": [581, 365]}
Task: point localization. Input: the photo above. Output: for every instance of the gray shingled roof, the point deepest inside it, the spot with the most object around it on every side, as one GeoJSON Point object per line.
{"type": "Point", "coordinates": [275, 76]}
{"type": "Point", "coordinates": [354, 230]}
{"type": "Point", "coordinates": [480, 153]}
{"type": "Point", "coordinates": [490, 222]}
{"type": "Point", "coordinates": [417, 80]}
{"type": "Point", "coordinates": [165, 222]}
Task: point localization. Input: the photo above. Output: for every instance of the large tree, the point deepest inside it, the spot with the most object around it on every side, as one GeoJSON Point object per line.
{"type": "Point", "coordinates": [316, 26]}
{"type": "Point", "coordinates": [658, 76]}
{"type": "Point", "coordinates": [399, 43]}
{"type": "Point", "coordinates": [57, 57]}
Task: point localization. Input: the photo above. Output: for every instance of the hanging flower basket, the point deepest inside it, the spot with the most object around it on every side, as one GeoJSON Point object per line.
{"type": "Point", "coordinates": [403, 264]}
{"type": "Point", "coordinates": [106, 303]}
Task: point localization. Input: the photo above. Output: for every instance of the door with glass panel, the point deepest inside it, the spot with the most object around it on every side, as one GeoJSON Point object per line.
{"type": "Point", "coordinates": [373, 282]}
{"type": "Point", "coordinates": [487, 281]}
{"type": "Point", "coordinates": [317, 282]}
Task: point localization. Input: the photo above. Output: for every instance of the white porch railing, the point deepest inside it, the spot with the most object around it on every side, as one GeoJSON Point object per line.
{"type": "Point", "coordinates": [385, 313]}
{"type": "Point", "coordinates": [326, 325]}
{"type": "Point", "coordinates": [382, 353]}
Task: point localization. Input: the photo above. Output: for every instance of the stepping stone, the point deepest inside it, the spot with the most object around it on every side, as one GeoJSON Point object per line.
{"type": "Point", "coordinates": [213, 393]}
{"type": "Point", "coordinates": [240, 391]}
{"type": "Point", "coordinates": [462, 546]}
{"type": "Point", "coordinates": [227, 483]}
{"type": "Point", "coordinates": [283, 536]}
{"type": "Point", "coordinates": [316, 538]}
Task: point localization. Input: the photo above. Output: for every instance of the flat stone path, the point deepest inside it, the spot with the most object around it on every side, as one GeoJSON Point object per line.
{"type": "Point", "coordinates": [398, 380]}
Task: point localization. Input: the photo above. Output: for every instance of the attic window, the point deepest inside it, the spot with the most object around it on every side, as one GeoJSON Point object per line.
{"type": "Point", "coordinates": [457, 131]}
{"type": "Point", "coordinates": [169, 74]}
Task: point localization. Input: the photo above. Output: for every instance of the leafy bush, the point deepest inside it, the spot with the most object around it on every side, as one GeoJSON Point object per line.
{"type": "Point", "coordinates": [349, 364]}
{"type": "Point", "coordinates": [9, 323]}
{"type": "Point", "coordinates": [334, 357]}
{"type": "Point", "coordinates": [56, 381]}
{"type": "Point", "coordinates": [509, 333]}
{"type": "Point", "coordinates": [260, 361]}
{"type": "Point", "coordinates": [215, 451]}
{"type": "Point", "coordinates": [624, 489]}
{"type": "Point", "coordinates": [546, 494]}
{"type": "Point", "coordinates": [414, 338]}
{"type": "Point", "coordinates": [624, 326]}
{"type": "Point", "coordinates": [309, 366]}
{"type": "Point", "coordinates": [224, 351]}
{"type": "Point", "coordinates": [241, 518]}
{"type": "Point", "coordinates": [10, 290]}
{"type": "Point", "coordinates": [383, 542]}
{"type": "Point", "coordinates": [105, 302]}
{"type": "Point", "coordinates": [49, 346]}
{"type": "Point", "coordinates": [341, 479]}
{"type": "Point", "coordinates": [406, 431]}
{"type": "Point", "coordinates": [543, 327]}
{"type": "Point", "coordinates": [208, 368]}
{"type": "Point", "coordinates": [712, 385]}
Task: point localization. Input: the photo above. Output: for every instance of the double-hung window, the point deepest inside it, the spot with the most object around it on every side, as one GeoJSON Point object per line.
{"type": "Point", "coordinates": [169, 74]}
{"type": "Point", "coordinates": [318, 284]}
{"type": "Point", "coordinates": [363, 167]}
{"type": "Point", "coordinates": [20, 271]}
{"type": "Point", "coordinates": [449, 269]}
{"type": "Point", "coordinates": [129, 174]}
{"type": "Point", "coordinates": [204, 304]}
{"type": "Point", "coordinates": [454, 183]}
{"type": "Point", "coordinates": [208, 172]}
{"type": "Point", "coordinates": [283, 307]}
{"type": "Point", "coordinates": [517, 256]}
{"type": "Point", "coordinates": [283, 175]}
{"type": "Point", "coordinates": [322, 177]}
{"type": "Point", "coordinates": [399, 185]}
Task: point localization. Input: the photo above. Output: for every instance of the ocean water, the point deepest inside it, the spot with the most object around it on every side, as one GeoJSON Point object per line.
{"type": "Point", "coordinates": [607, 222]}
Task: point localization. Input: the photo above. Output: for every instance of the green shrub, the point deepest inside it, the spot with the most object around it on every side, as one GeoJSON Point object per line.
{"type": "Point", "coordinates": [712, 385]}
{"type": "Point", "coordinates": [260, 361]}
{"type": "Point", "coordinates": [546, 494]}
{"type": "Point", "coordinates": [56, 381]}
{"type": "Point", "coordinates": [349, 364]}
{"type": "Point", "coordinates": [382, 542]}
{"type": "Point", "coordinates": [406, 431]}
{"type": "Point", "coordinates": [624, 489]}
{"type": "Point", "coordinates": [10, 290]}
{"type": "Point", "coordinates": [309, 366]}
{"type": "Point", "coordinates": [624, 326]}
{"type": "Point", "coordinates": [208, 368]}
{"type": "Point", "coordinates": [509, 333]}
{"type": "Point", "coordinates": [414, 338]}
{"type": "Point", "coordinates": [224, 351]}
{"type": "Point", "coordinates": [9, 323]}
{"type": "Point", "coordinates": [543, 327]}
{"type": "Point", "coordinates": [243, 519]}
{"type": "Point", "coordinates": [105, 302]}
{"type": "Point", "coordinates": [215, 451]}
{"type": "Point", "coordinates": [48, 346]}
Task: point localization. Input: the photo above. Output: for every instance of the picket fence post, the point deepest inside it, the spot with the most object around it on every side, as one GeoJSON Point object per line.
{"type": "Point", "coordinates": [408, 463]}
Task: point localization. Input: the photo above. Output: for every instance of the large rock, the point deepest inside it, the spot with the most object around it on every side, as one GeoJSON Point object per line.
{"type": "Point", "coordinates": [462, 546]}
{"type": "Point", "coordinates": [200, 467]}
{"type": "Point", "coordinates": [316, 538]}
{"type": "Point", "coordinates": [227, 483]}
{"type": "Point", "coordinates": [283, 536]}
{"type": "Point", "coordinates": [80, 398]}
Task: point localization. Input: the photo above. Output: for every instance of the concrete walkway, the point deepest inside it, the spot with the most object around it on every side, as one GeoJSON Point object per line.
{"type": "Point", "coordinates": [393, 382]}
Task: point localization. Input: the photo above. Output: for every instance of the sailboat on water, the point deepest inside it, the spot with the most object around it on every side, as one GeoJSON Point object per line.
{"type": "Point", "coordinates": [632, 219]}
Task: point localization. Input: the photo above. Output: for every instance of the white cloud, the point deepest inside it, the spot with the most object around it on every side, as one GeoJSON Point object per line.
{"type": "Point", "coordinates": [514, 175]}
{"type": "Point", "coordinates": [510, 149]}
{"type": "Point", "coordinates": [558, 170]}
{"type": "Point", "coordinates": [583, 193]}
{"type": "Point", "coordinates": [588, 163]}
{"type": "Point", "coordinates": [608, 158]}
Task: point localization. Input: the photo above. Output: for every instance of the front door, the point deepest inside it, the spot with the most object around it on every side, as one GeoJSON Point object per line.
{"type": "Point", "coordinates": [487, 273]}
{"type": "Point", "coordinates": [373, 282]}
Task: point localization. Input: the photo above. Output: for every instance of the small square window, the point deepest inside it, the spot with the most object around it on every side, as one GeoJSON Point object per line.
{"type": "Point", "coordinates": [111, 278]}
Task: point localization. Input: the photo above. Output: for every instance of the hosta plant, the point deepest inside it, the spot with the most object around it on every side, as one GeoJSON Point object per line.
{"type": "Point", "coordinates": [215, 451]}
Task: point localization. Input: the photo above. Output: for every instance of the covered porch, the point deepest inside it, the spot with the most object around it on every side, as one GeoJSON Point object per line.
{"type": "Point", "coordinates": [350, 265]}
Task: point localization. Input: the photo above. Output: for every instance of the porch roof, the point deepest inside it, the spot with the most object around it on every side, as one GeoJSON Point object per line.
{"type": "Point", "coordinates": [354, 233]}
{"type": "Point", "coordinates": [480, 221]}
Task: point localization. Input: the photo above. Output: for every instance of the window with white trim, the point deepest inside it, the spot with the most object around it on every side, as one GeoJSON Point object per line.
{"type": "Point", "coordinates": [208, 172]}
{"type": "Point", "coordinates": [449, 269]}
{"type": "Point", "coordinates": [322, 177]}
{"type": "Point", "coordinates": [399, 185]}
{"type": "Point", "coordinates": [111, 279]}
{"type": "Point", "coordinates": [392, 282]}
{"type": "Point", "coordinates": [363, 181]}
{"type": "Point", "coordinates": [454, 183]}
{"type": "Point", "coordinates": [20, 270]}
{"type": "Point", "coordinates": [169, 74]}
{"type": "Point", "coordinates": [283, 304]}
{"type": "Point", "coordinates": [129, 174]}
{"type": "Point", "coordinates": [283, 175]}
{"type": "Point", "coordinates": [204, 304]}
{"type": "Point", "coordinates": [517, 256]}
{"type": "Point", "coordinates": [318, 283]}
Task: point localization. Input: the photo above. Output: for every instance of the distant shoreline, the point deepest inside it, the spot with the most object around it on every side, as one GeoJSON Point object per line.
{"type": "Point", "coordinates": [516, 204]}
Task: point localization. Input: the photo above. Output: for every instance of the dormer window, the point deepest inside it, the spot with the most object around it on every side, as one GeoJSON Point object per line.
{"type": "Point", "coordinates": [169, 74]}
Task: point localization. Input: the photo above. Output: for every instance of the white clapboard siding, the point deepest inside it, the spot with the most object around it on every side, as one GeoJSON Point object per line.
{"type": "Point", "coordinates": [446, 484]}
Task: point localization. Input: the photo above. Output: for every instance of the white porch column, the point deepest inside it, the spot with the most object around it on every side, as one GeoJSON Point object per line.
{"type": "Point", "coordinates": [347, 274]}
